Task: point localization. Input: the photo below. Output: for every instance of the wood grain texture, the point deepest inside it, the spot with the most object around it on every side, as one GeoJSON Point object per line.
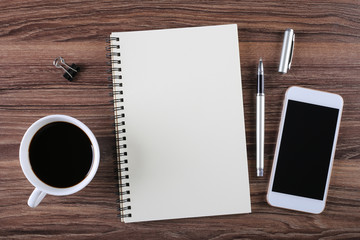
{"type": "Point", "coordinates": [33, 33]}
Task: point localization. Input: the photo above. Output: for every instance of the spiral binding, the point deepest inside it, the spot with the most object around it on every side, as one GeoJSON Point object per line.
{"type": "Point", "coordinates": [119, 123]}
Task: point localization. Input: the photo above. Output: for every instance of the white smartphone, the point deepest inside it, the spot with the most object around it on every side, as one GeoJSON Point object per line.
{"type": "Point", "coordinates": [305, 150]}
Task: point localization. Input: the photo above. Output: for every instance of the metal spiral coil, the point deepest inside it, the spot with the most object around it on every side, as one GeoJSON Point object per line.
{"type": "Point", "coordinates": [124, 208]}
{"type": "Point", "coordinates": [109, 63]}
{"type": "Point", "coordinates": [112, 77]}
{"type": "Point", "coordinates": [120, 92]}
{"type": "Point", "coordinates": [121, 115]}
{"type": "Point", "coordinates": [122, 185]}
{"type": "Point", "coordinates": [110, 70]}
{"type": "Point", "coordinates": [108, 48]}
{"type": "Point", "coordinates": [124, 192]}
{"type": "Point", "coordinates": [109, 39]}
{"type": "Point", "coordinates": [119, 108]}
{"type": "Point", "coordinates": [124, 215]}
{"type": "Point", "coordinates": [117, 100]}
{"type": "Point", "coordinates": [123, 161]}
{"type": "Point", "coordinates": [116, 80]}
{"type": "Point", "coordinates": [123, 154]}
{"type": "Point", "coordinates": [109, 54]}
{"type": "Point", "coordinates": [125, 177]}
{"type": "Point", "coordinates": [121, 146]}
{"type": "Point", "coordinates": [123, 169]}
{"type": "Point", "coordinates": [125, 200]}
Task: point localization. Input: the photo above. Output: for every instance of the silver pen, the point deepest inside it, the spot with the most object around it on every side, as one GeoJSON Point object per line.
{"type": "Point", "coordinates": [260, 120]}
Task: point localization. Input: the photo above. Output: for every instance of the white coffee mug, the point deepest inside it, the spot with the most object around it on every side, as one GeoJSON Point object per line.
{"type": "Point", "coordinates": [41, 188]}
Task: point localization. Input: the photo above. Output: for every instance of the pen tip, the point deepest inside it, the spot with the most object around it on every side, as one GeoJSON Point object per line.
{"type": "Point", "coordinates": [261, 67]}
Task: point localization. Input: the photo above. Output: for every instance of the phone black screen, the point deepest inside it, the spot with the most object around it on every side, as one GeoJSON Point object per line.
{"type": "Point", "coordinates": [305, 150]}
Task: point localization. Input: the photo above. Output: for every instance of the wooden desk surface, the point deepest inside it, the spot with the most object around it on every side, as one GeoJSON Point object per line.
{"type": "Point", "coordinates": [33, 33]}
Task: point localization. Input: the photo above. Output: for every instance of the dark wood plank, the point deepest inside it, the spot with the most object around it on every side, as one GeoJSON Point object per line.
{"type": "Point", "coordinates": [33, 33]}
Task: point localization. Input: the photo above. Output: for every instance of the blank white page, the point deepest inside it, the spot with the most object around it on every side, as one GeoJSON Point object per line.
{"type": "Point", "coordinates": [185, 131]}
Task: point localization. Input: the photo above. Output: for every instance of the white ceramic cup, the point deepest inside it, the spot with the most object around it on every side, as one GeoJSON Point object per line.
{"type": "Point", "coordinates": [41, 188]}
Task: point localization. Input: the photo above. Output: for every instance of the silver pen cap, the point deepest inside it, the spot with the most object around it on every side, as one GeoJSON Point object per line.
{"type": "Point", "coordinates": [287, 51]}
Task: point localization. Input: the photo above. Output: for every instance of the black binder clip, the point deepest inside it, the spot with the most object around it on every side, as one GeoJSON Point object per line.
{"type": "Point", "coordinates": [70, 71]}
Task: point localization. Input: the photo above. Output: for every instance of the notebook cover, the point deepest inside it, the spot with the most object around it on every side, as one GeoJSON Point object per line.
{"type": "Point", "coordinates": [184, 120]}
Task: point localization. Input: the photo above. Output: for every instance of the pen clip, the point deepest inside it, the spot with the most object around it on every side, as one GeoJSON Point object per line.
{"type": "Point", "coordinates": [291, 51]}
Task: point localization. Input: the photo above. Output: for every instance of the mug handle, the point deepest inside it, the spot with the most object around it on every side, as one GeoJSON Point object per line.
{"type": "Point", "coordinates": [36, 197]}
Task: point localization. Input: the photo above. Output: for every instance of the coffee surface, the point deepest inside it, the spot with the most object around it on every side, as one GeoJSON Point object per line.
{"type": "Point", "coordinates": [60, 154]}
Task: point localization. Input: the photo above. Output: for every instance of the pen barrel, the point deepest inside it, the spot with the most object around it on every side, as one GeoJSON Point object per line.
{"type": "Point", "coordinates": [260, 132]}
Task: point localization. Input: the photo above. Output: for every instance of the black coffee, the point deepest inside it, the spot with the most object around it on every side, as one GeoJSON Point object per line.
{"type": "Point", "coordinates": [60, 154]}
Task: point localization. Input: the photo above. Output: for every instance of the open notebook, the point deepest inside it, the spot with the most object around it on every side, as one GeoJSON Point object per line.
{"type": "Point", "coordinates": [179, 123]}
